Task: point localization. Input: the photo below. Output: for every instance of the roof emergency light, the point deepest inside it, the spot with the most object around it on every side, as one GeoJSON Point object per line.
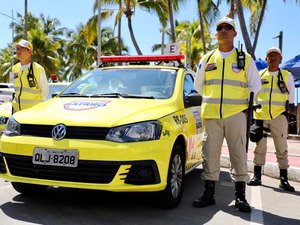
{"type": "Point", "coordinates": [142, 58]}
{"type": "Point", "coordinates": [54, 78]}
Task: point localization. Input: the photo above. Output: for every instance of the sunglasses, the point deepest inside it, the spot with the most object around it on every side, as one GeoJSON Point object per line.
{"type": "Point", "coordinates": [226, 27]}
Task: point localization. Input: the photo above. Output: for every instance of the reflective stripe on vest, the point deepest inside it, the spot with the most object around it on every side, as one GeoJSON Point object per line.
{"type": "Point", "coordinates": [272, 100]}
{"type": "Point", "coordinates": [225, 91]}
{"type": "Point", "coordinates": [26, 96]}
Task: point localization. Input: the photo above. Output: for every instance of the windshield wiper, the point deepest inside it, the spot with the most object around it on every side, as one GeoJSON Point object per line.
{"type": "Point", "coordinates": [73, 94]}
{"type": "Point", "coordinates": [121, 95]}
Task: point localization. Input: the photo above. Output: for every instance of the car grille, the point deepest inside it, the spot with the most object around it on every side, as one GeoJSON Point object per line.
{"type": "Point", "coordinates": [89, 133]}
{"type": "Point", "coordinates": [141, 172]}
{"type": "Point", "coordinates": [86, 171]}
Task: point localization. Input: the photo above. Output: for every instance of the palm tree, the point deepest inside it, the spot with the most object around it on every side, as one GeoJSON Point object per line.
{"type": "Point", "coordinates": [43, 35]}
{"type": "Point", "coordinates": [82, 54]}
{"type": "Point", "coordinates": [208, 12]}
{"type": "Point", "coordinates": [257, 16]}
{"type": "Point", "coordinates": [190, 36]}
{"type": "Point", "coordinates": [257, 9]}
{"type": "Point", "coordinates": [5, 62]}
{"type": "Point", "coordinates": [173, 5]}
{"type": "Point", "coordinates": [157, 6]}
{"type": "Point", "coordinates": [171, 18]}
{"type": "Point", "coordinates": [45, 50]}
{"type": "Point", "coordinates": [244, 30]}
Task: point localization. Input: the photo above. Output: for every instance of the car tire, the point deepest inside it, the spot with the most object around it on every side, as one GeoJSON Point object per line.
{"type": "Point", "coordinates": [171, 196]}
{"type": "Point", "coordinates": [28, 188]}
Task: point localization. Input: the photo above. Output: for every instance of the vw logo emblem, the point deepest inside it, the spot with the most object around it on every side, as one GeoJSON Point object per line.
{"type": "Point", "coordinates": [59, 132]}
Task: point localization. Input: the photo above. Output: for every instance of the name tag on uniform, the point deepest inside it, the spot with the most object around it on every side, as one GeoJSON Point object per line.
{"type": "Point", "coordinates": [210, 67]}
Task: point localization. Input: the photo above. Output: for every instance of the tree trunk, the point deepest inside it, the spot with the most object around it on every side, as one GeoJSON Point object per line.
{"type": "Point", "coordinates": [261, 17]}
{"type": "Point", "coordinates": [240, 13]}
{"type": "Point", "coordinates": [163, 31]}
{"type": "Point", "coordinates": [171, 18]}
{"type": "Point", "coordinates": [119, 34]}
{"type": "Point", "coordinates": [202, 27]}
{"type": "Point", "coordinates": [135, 44]}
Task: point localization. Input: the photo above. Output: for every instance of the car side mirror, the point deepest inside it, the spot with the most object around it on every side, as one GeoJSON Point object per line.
{"type": "Point", "coordinates": [193, 99]}
{"type": "Point", "coordinates": [54, 94]}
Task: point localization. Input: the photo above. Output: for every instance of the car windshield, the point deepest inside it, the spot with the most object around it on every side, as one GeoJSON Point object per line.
{"type": "Point", "coordinates": [121, 83]}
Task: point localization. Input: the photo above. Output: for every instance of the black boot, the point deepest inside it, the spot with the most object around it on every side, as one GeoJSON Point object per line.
{"type": "Point", "coordinates": [208, 197]}
{"type": "Point", "coordinates": [256, 180]}
{"type": "Point", "coordinates": [284, 184]}
{"type": "Point", "coordinates": [240, 200]}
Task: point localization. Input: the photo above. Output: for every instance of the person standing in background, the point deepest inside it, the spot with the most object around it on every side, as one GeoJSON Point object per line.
{"type": "Point", "coordinates": [30, 80]}
{"type": "Point", "coordinates": [225, 78]}
{"type": "Point", "coordinates": [276, 98]}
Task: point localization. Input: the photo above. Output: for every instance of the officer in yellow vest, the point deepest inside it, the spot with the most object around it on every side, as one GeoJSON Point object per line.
{"type": "Point", "coordinates": [30, 81]}
{"type": "Point", "coordinates": [225, 84]}
{"type": "Point", "coordinates": [277, 91]}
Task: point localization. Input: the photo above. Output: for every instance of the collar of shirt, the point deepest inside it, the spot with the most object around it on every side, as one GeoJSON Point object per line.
{"type": "Point", "coordinates": [24, 67]}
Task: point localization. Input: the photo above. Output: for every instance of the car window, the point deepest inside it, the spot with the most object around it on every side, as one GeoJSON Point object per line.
{"type": "Point", "coordinates": [188, 85]}
{"type": "Point", "coordinates": [155, 82]}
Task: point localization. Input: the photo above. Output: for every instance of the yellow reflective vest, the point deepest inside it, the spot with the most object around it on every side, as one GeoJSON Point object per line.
{"type": "Point", "coordinates": [26, 96]}
{"type": "Point", "coordinates": [225, 91]}
{"type": "Point", "coordinates": [271, 99]}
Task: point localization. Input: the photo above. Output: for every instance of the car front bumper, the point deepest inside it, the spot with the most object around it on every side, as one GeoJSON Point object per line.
{"type": "Point", "coordinates": [102, 165]}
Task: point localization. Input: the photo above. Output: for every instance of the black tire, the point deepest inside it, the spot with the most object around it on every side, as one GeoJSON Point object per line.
{"type": "Point", "coordinates": [171, 196]}
{"type": "Point", "coordinates": [28, 188]}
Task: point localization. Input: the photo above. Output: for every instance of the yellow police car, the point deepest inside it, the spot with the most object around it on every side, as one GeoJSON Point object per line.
{"type": "Point", "coordinates": [129, 128]}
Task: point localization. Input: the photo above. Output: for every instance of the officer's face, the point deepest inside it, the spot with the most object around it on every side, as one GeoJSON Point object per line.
{"type": "Point", "coordinates": [23, 53]}
{"type": "Point", "coordinates": [273, 59]}
{"type": "Point", "coordinates": [225, 33]}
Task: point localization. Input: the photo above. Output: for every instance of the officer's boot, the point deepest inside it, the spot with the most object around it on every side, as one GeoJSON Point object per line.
{"type": "Point", "coordinates": [284, 184]}
{"type": "Point", "coordinates": [208, 197]}
{"type": "Point", "coordinates": [256, 180]}
{"type": "Point", "coordinates": [240, 199]}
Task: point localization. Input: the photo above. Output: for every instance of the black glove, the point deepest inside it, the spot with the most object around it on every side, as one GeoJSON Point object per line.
{"type": "Point", "coordinates": [291, 107]}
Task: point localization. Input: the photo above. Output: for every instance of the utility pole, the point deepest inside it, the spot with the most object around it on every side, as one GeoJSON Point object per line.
{"type": "Point", "coordinates": [99, 33]}
{"type": "Point", "coordinates": [12, 34]}
{"type": "Point", "coordinates": [12, 39]}
{"type": "Point", "coordinates": [25, 20]}
{"type": "Point", "coordinates": [280, 37]}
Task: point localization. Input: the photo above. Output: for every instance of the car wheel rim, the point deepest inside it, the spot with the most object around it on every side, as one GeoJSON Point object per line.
{"type": "Point", "coordinates": [176, 173]}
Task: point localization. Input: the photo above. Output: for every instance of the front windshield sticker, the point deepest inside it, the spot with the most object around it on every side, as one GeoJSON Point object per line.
{"type": "Point", "coordinates": [81, 105]}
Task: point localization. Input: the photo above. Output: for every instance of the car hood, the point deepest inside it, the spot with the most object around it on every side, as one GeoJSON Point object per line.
{"type": "Point", "coordinates": [104, 112]}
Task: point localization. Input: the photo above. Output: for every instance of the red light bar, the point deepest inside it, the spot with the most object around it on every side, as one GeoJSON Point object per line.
{"type": "Point", "coordinates": [141, 58]}
{"type": "Point", "coordinates": [54, 78]}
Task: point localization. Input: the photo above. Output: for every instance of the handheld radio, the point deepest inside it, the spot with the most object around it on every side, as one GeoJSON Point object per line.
{"type": "Point", "coordinates": [281, 84]}
{"type": "Point", "coordinates": [241, 57]}
{"type": "Point", "coordinates": [30, 77]}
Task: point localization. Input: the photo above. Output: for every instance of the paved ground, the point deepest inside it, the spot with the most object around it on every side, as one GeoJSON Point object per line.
{"type": "Point", "coordinates": [271, 167]}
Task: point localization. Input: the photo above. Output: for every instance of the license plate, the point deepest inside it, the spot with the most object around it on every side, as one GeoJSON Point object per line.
{"type": "Point", "coordinates": [55, 157]}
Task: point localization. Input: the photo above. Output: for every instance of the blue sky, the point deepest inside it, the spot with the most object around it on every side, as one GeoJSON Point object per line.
{"type": "Point", "coordinates": [278, 17]}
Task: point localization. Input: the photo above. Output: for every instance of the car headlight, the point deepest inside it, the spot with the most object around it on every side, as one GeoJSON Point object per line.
{"type": "Point", "coordinates": [12, 128]}
{"type": "Point", "coordinates": [144, 131]}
